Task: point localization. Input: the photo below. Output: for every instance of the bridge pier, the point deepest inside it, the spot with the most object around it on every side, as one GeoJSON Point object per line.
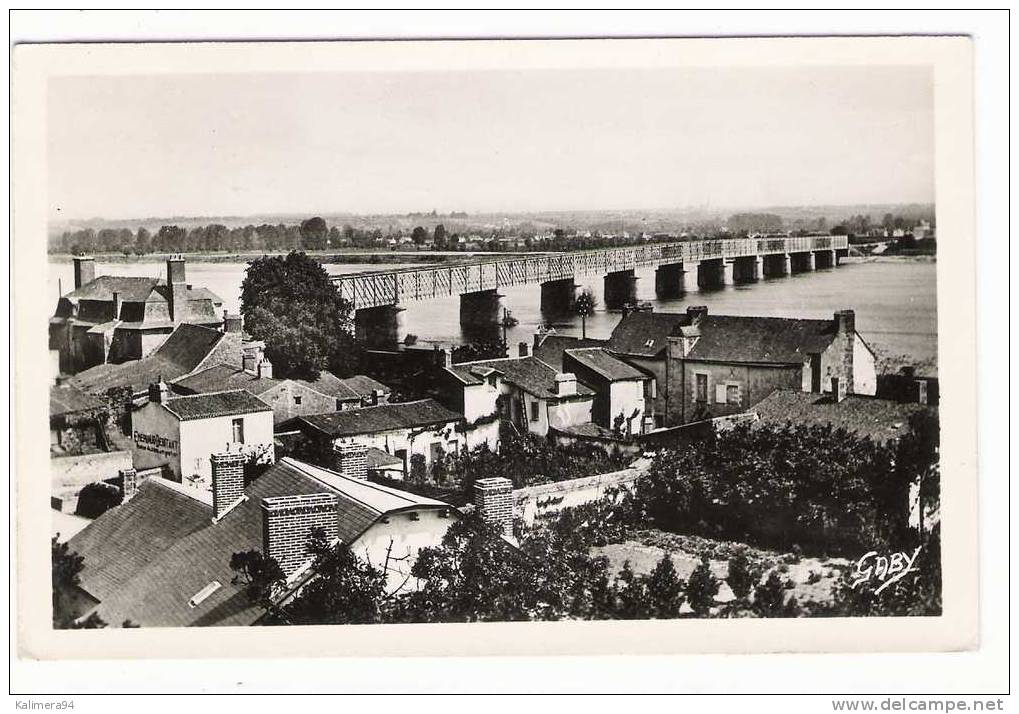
{"type": "Point", "coordinates": [841, 253]}
{"type": "Point", "coordinates": [801, 262]}
{"type": "Point", "coordinates": [620, 289]}
{"type": "Point", "coordinates": [777, 265]}
{"type": "Point", "coordinates": [479, 315]}
{"type": "Point", "coordinates": [714, 273]}
{"type": "Point", "coordinates": [557, 296]}
{"type": "Point", "coordinates": [670, 280]}
{"type": "Point", "coordinates": [747, 270]}
{"type": "Point", "coordinates": [824, 259]}
{"type": "Point", "coordinates": [379, 327]}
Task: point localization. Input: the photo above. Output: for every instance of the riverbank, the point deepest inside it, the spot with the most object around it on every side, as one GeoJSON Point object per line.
{"type": "Point", "coordinates": [890, 259]}
{"type": "Point", "coordinates": [325, 257]}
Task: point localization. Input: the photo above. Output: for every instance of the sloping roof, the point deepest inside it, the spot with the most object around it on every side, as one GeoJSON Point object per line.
{"type": "Point", "coordinates": [603, 363]}
{"type": "Point", "coordinates": [528, 373]}
{"type": "Point", "coordinates": [369, 420]}
{"type": "Point", "coordinates": [215, 404]}
{"type": "Point", "coordinates": [645, 334]}
{"type": "Point", "coordinates": [102, 288]}
{"type": "Point", "coordinates": [377, 459]}
{"type": "Point", "coordinates": [362, 385]}
{"type": "Point", "coordinates": [181, 352]}
{"type": "Point", "coordinates": [877, 419]}
{"type": "Point", "coordinates": [145, 559]}
{"type": "Point", "coordinates": [551, 347]}
{"type": "Point", "coordinates": [774, 340]}
{"type": "Point", "coordinates": [225, 377]}
{"type": "Point", "coordinates": [67, 399]}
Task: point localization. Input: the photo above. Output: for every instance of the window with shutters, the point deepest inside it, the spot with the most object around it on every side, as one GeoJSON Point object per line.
{"type": "Point", "coordinates": [732, 394]}
{"type": "Point", "coordinates": [701, 391]}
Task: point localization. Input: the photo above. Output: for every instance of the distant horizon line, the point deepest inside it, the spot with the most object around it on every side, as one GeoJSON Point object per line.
{"type": "Point", "coordinates": [406, 214]}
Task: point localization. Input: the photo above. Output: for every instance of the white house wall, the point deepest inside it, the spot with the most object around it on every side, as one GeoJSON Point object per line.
{"type": "Point", "coordinates": [625, 398]}
{"type": "Point", "coordinates": [402, 536]}
{"type": "Point", "coordinates": [200, 438]}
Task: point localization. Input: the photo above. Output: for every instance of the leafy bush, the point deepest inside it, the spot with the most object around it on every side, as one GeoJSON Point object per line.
{"type": "Point", "coordinates": [95, 499]}
{"type": "Point", "coordinates": [701, 588]}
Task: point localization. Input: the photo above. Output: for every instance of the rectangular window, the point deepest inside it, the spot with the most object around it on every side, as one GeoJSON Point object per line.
{"type": "Point", "coordinates": [297, 401]}
{"type": "Point", "coordinates": [701, 392]}
{"type": "Point", "coordinates": [534, 411]}
{"type": "Point", "coordinates": [720, 394]}
{"type": "Point", "coordinates": [732, 395]}
{"type": "Point", "coordinates": [238, 431]}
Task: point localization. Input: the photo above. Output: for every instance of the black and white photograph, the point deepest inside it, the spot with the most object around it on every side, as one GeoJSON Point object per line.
{"type": "Point", "coordinates": [407, 341]}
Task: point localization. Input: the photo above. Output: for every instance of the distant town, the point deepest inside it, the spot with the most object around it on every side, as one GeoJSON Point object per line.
{"type": "Point", "coordinates": [305, 461]}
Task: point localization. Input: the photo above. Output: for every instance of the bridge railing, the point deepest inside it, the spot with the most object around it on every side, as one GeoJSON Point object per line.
{"type": "Point", "coordinates": [390, 287]}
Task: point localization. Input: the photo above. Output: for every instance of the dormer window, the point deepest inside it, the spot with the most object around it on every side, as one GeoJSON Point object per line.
{"type": "Point", "coordinates": [650, 343]}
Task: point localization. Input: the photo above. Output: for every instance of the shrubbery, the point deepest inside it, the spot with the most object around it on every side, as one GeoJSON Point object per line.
{"type": "Point", "coordinates": [95, 499]}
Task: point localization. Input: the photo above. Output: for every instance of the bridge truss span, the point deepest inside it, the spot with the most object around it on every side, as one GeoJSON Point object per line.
{"type": "Point", "coordinates": [392, 287]}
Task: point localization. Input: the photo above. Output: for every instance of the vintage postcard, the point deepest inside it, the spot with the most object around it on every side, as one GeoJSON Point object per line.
{"type": "Point", "coordinates": [495, 347]}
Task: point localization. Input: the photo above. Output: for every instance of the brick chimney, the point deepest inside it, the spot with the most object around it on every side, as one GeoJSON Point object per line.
{"type": "Point", "coordinates": [845, 334]}
{"type": "Point", "coordinates": [265, 369]}
{"type": "Point", "coordinates": [565, 384]}
{"type": "Point", "coordinates": [227, 481]}
{"type": "Point", "coordinates": [845, 322]}
{"type": "Point", "coordinates": [351, 460]}
{"type": "Point", "coordinates": [523, 349]}
{"type": "Point", "coordinates": [232, 323]}
{"type": "Point", "coordinates": [159, 392]}
{"type": "Point", "coordinates": [128, 484]}
{"type": "Point", "coordinates": [116, 305]}
{"type": "Point", "coordinates": [378, 397]}
{"type": "Point", "coordinates": [249, 360]}
{"type": "Point", "coordinates": [84, 270]}
{"type": "Point", "coordinates": [696, 313]}
{"type": "Point", "coordinates": [494, 499]}
{"type": "Point", "coordinates": [445, 357]}
{"type": "Point", "coordinates": [177, 282]}
{"type": "Point", "coordinates": [287, 524]}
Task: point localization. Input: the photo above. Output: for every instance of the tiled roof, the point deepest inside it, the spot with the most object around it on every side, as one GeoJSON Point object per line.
{"type": "Point", "coordinates": [225, 377]}
{"type": "Point", "coordinates": [645, 334]}
{"type": "Point", "coordinates": [215, 404]}
{"type": "Point", "coordinates": [877, 419]}
{"type": "Point", "coordinates": [145, 559]}
{"type": "Point", "coordinates": [182, 351]}
{"type": "Point", "coordinates": [102, 288]}
{"type": "Point", "coordinates": [369, 420]}
{"type": "Point", "coordinates": [528, 373]}
{"type": "Point", "coordinates": [603, 363]}
{"type": "Point", "coordinates": [363, 385]}
{"type": "Point", "coordinates": [66, 399]}
{"type": "Point", "coordinates": [550, 349]}
{"type": "Point", "coordinates": [769, 340]}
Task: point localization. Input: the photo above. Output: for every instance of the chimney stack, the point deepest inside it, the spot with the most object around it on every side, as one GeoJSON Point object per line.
{"type": "Point", "coordinates": [378, 397]}
{"type": "Point", "coordinates": [494, 498]}
{"type": "Point", "coordinates": [227, 481]}
{"type": "Point", "coordinates": [84, 270]}
{"type": "Point", "coordinates": [287, 525]}
{"type": "Point", "coordinates": [128, 484]}
{"type": "Point", "coordinates": [116, 305]}
{"type": "Point", "coordinates": [523, 349]}
{"type": "Point", "coordinates": [249, 361]}
{"type": "Point", "coordinates": [445, 357]}
{"type": "Point", "coordinates": [159, 392]}
{"type": "Point", "coordinates": [565, 384]}
{"type": "Point", "coordinates": [232, 323]}
{"type": "Point", "coordinates": [265, 369]}
{"type": "Point", "coordinates": [351, 460]}
{"type": "Point", "coordinates": [177, 282]}
{"type": "Point", "coordinates": [845, 322]}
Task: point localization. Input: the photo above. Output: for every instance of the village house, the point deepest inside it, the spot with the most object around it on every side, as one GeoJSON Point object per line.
{"type": "Point", "coordinates": [523, 390]}
{"type": "Point", "coordinates": [641, 339]}
{"type": "Point", "coordinates": [422, 428]}
{"type": "Point", "coordinates": [618, 388]}
{"type": "Point", "coordinates": [181, 433]}
{"type": "Point", "coordinates": [162, 558]}
{"type": "Point", "coordinates": [115, 319]}
{"type": "Point", "coordinates": [287, 397]}
{"type": "Point", "coordinates": [722, 364]}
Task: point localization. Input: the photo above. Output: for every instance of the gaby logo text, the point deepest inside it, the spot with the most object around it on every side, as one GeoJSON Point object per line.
{"type": "Point", "coordinates": [886, 569]}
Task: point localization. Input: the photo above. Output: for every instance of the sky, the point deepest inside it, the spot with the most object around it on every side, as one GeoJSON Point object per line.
{"type": "Point", "coordinates": [219, 145]}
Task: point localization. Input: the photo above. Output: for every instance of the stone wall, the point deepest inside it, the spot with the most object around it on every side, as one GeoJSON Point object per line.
{"type": "Point", "coordinates": [68, 474]}
{"type": "Point", "coordinates": [534, 502]}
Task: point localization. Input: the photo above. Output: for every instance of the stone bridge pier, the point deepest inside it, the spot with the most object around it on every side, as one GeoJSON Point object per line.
{"type": "Point", "coordinates": [557, 296]}
{"type": "Point", "coordinates": [620, 289]}
{"type": "Point", "coordinates": [841, 253]}
{"type": "Point", "coordinates": [714, 273]}
{"type": "Point", "coordinates": [801, 262]}
{"type": "Point", "coordinates": [747, 269]}
{"type": "Point", "coordinates": [777, 265]}
{"type": "Point", "coordinates": [824, 259]}
{"type": "Point", "coordinates": [670, 280]}
{"type": "Point", "coordinates": [379, 327]}
{"type": "Point", "coordinates": [479, 315]}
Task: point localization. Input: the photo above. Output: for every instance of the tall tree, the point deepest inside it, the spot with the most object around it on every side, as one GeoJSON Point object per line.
{"type": "Point", "coordinates": [314, 233]}
{"type": "Point", "coordinates": [419, 235]}
{"type": "Point", "coordinates": [584, 305]}
{"type": "Point", "coordinates": [291, 304]}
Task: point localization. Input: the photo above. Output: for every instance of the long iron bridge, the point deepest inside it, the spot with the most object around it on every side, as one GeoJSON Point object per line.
{"type": "Point", "coordinates": [717, 261]}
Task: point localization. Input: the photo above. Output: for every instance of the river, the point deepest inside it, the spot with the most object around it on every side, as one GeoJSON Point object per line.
{"type": "Point", "coordinates": [895, 301]}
